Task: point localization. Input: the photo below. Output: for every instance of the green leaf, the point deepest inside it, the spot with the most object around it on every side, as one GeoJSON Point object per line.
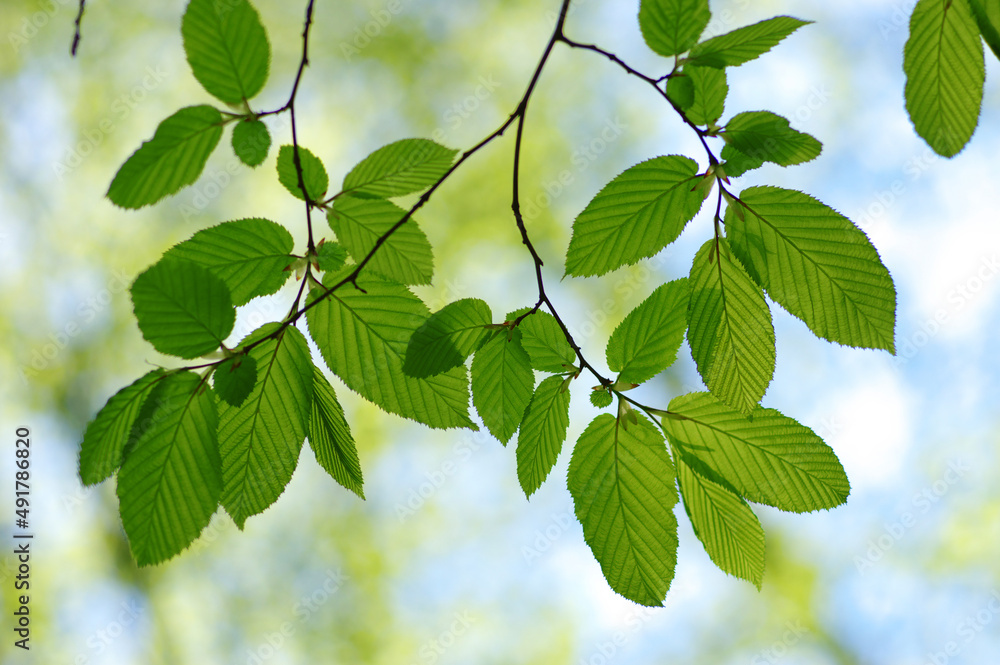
{"type": "Point", "coordinates": [744, 44]}
{"type": "Point", "coordinates": [330, 437]}
{"type": "Point", "coordinates": [635, 216]}
{"type": "Point", "coordinates": [724, 523]}
{"type": "Point", "coordinates": [235, 378]}
{"type": "Point", "coordinates": [622, 483]}
{"type": "Point", "coordinates": [987, 15]}
{"type": "Point", "coordinates": [248, 255]}
{"type": "Point", "coordinates": [227, 48]}
{"type": "Point", "coordinates": [112, 429]}
{"type": "Point", "coordinates": [171, 160]}
{"type": "Point", "coordinates": [680, 90]}
{"type": "Point", "coordinates": [502, 382]}
{"type": "Point", "coordinates": [313, 173]}
{"type": "Point", "coordinates": [730, 330]}
{"type": "Point", "coordinates": [447, 338]}
{"type": "Point", "coordinates": [817, 265]}
{"type": "Point", "coordinates": [542, 433]}
{"type": "Point", "coordinates": [405, 256]}
{"type": "Point", "coordinates": [331, 256]}
{"type": "Point", "coordinates": [544, 341]}
{"type": "Point", "coordinates": [709, 91]}
{"type": "Point", "coordinates": [764, 135]}
{"type": "Point", "coordinates": [769, 459]}
{"type": "Point", "coordinates": [169, 484]}
{"type": "Point", "coordinates": [363, 337]}
{"type": "Point", "coordinates": [400, 168]}
{"type": "Point", "coordinates": [182, 309]}
{"type": "Point", "coordinates": [671, 27]}
{"type": "Point", "coordinates": [945, 71]}
{"type": "Point", "coordinates": [260, 440]}
{"type": "Point", "coordinates": [601, 398]}
{"type": "Point", "coordinates": [646, 342]}
{"type": "Point", "coordinates": [251, 142]}
{"type": "Point", "coordinates": [737, 163]}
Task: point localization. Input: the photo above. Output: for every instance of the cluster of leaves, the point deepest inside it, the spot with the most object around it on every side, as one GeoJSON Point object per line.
{"type": "Point", "coordinates": [229, 430]}
{"type": "Point", "coordinates": [945, 69]}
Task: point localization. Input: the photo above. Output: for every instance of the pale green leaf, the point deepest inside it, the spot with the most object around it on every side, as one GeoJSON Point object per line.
{"type": "Point", "coordinates": [744, 44]}
{"type": "Point", "coordinates": [646, 342]}
{"type": "Point", "coordinates": [182, 308]}
{"type": "Point", "coordinates": [405, 256]}
{"type": "Point", "coordinates": [447, 338]}
{"type": "Point", "coordinates": [542, 433]}
{"type": "Point", "coordinates": [169, 483]}
{"type": "Point", "coordinates": [260, 440]}
{"type": "Point", "coordinates": [945, 70]}
{"type": "Point", "coordinates": [766, 136]}
{"type": "Point", "coordinates": [399, 168]}
{"type": "Point", "coordinates": [601, 398]}
{"type": "Point", "coordinates": [817, 265]}
{"type": "Point", "coordinates": [709, 91]}
{"type": "Point", "coordinates": [251, 142]}
{"type": "Point", "coordinates": [502, 382]}
{"type": "Point", "coordinates": [112, 429]}
{"type": "Point", "coordinates": [227, 48]}
{"type": "Point", "coordinates": [622, 483]}
{"type": "Point", "coordinates": [769, 458]}
{"type": "Point", "coordinates": [331, 256]}
{"type": "Point", "coordinates": [313, 173]}
{"type": "Point", "coordinates": [171, 160]}
{"type": "Point", "coordinates": [635, 216]}
{"type": "Point", "coordinates": [363, 337]}
{"type": "Point", "coordinates": [737, 163]}
{"type": "Point", "coordinates": [330, 437]}
{"type": "Point", "coordinates": [729, 328]}
{"type": "Point", "coordinates": [724, 523]}
{"type": "Point", "coordinates": [671, 27]}
{"type": "Point", "coordinates": [544, 341]}
{"type": "Point", "coordinates": [249, 255]}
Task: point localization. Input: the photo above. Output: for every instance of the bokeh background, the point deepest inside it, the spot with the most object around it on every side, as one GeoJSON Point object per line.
{"type": "Point", "coordinates": [446, 562]}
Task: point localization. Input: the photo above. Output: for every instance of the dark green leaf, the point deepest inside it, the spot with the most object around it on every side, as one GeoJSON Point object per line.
{"type": "Point", "coordinates": [769, 459]}
{"type": "Point", "coordinates": [671, 27]}
{"type": "Point", "coordinates": [502, 382]}
{"type": "Point", "coordinates": [182, 309]}
{"type": "Point", "coordinates": [405, 256]}
{"type": "Point", "coordinates": [400, 168]}
{"type": "Point", "coordinates": [635, 216]}
{"type": "Point", "coordinates": [646, 342]}
{"type": "Point", "coordinates": [171, 160]}
{"type": "Point", "coordinates": [260, 440]}
{"type": "Point", "coordinates": [447, 338]}
{"type": "Point", "coordinates": [724, 523]}
{"type": "Point", "coordinates": [251, 142]}
{"type": "Point", "coordinates": [330, 437]}
{"type": "Point", "coordinates": [235, 379]}
{"type": "Point", "coordinates": [622, 483]}
{"type": "Point", "coordinates": [709, 91]}
{"type": "Point", "coordinates": [680, 90]}
{"type": "Point", "coordinates": [542, 433]}
{"type": "Point", "coordinates": [987, 13]}
{"type": "Point", "coordinates": [363, 337]}
{"type": "Point", "coordinates": [744, 44]}
{"type": "Point", "coordinates": [111, 429]}
{"type": "Point", "coordinates": [169, 484]}
{"type": "Point", "coordinates": [227, 48]}
{"type": "Point", "coordinates": [730, 330]}
{"type": "Point", "coordinates": [249, 255]}
{"type": "Point", "coordinates": [816, 264]}
{"type": "Point", "coordinates": [943, 61]}
{"type": "Point", "coordinates": [313, 173]}
{"type": "Point", "coordinates": [766, 136]}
